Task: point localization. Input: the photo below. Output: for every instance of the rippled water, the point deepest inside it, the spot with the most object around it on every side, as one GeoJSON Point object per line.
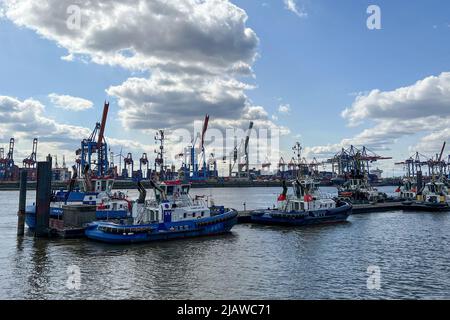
{"type": "Point", "coordinates": [411, 250]}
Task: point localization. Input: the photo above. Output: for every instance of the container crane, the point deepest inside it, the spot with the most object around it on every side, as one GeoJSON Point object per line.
{"type": "Point", "coordinates": [242, 152]}
{"type": "Point", "coordinates": [30, 161]}
{"type": "Point", "coordinates": [354, 162]}
{"type": "Point", "coordinates": [144, 163]}
{"type": "Point", "coordinates": [159, 160]}
{"type": "Point", "coordinates": [196, 169]}
{"type": "Point", "coordinates": [128, 164]}
{"type": "Point", "coordinates": [7, 166]}
{"type": "Point", "coordinates": [96, 143]}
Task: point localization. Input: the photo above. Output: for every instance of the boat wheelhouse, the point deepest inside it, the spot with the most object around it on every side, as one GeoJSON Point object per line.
{"type": "Point", "coordinates": [359, 190]}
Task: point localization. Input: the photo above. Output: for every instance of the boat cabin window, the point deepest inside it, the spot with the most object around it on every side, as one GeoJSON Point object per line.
{"type": "Point", "coordinates": [169, 190]}
{"type": "Point", "coordinates": [158, 194]}
{"type": "Point", "coordinates": [185, 189]}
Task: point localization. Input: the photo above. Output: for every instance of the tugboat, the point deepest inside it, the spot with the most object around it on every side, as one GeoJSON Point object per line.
{"type": "Point", "coordinates": [358, 190]}
{"type": "Point", "coordinates": [306, 206]}
{"type": "Point", "coordinates": [172, 214]}
{"type": "Point", "coordinates": [434, 197]}
{"type": "Point", "coordinates": [94, 191]}
{"type": "Point", "coordinates": [407, 191]}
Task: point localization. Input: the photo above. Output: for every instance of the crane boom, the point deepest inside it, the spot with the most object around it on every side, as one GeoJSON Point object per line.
{"type": "Point", "coordinates": [103, 124]}
{"type": "Point", "coordinates": [442, 151]}
{"type": "Point", "coordinates": [205, 127]}
{"type": "Point", "coordinates": [247, 138]}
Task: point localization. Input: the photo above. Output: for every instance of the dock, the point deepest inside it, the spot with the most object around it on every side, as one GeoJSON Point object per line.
{"type": "Point", "coordinates": [377, 207]}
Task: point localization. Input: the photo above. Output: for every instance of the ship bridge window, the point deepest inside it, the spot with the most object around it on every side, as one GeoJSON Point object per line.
{"type": "Point", "coordinates": [185, 190]}
{"type": "Point", "coordinates": [193, 214]}
{"type": "Point", "coordinates": [169, 191]}
{"type": "Point", "coordinates": [185, 215]}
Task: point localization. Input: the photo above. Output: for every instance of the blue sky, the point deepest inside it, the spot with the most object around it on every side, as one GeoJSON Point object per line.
{"type": "Point", "coordinates": [317, 64]}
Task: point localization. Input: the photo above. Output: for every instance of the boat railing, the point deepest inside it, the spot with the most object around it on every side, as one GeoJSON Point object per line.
{"type": "Point", "coordinates": [325, 195]}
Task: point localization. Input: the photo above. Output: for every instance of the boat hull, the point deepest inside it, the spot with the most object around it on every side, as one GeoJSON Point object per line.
{"type": "Point", "coordinates": [126, 234]}
{"type": "Point", "coordinates": [276, 217]}
{"type": "Point", "coordinates": [427, 207]}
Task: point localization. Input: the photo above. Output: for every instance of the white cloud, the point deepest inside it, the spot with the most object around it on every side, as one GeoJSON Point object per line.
{"type": "Point", "coordinates": [284, 108]}
{"type": "Point", "coordinates": [172, 100]}
{"type": "Point", "coordinates": [25, 120]}
{"type": "Point", "coordinates": [430, 96]}
{"type": "Point", "coordinates": [193, 51]}
{"type": "Point", "coordinates": [189, 35]}
{"type": "Point", "coordinates": [70, 103]}
{"type": "Point", "coordinates": [422, 108]}
{"type": "Point", "coordinates": [291, 5]}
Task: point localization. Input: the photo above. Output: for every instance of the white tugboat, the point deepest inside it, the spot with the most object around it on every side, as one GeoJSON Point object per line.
{"type": "Point", "coordinates": [358, 190]}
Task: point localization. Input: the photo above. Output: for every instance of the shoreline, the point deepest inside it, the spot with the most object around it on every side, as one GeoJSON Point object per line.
{"type": "Point", "coordinates": [130, 185]}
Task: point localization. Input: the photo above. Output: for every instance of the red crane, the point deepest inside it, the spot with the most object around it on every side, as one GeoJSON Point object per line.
{"type": "Point", "coordinates": [103, 125]}
{"type": "Point", "coordinates": [30, 161]}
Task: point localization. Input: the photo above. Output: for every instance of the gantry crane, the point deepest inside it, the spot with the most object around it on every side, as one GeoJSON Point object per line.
{"type": "Point", "coordinates": [128, 164]}
{"type": "Point", "coordinates": [354, 162]}
{"type": "Point", "coordinates": [30, 161]}
{"type": "Point", "coordinates": [242, 152]}
{"type": "Point", "coordinates": [144, 163]}
{"type": "Point", "coordinates": [95, 144]}
{"type": "Point", "coordinates": [7, 165]}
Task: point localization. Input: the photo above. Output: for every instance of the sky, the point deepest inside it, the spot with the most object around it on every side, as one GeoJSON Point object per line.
{"type": "Point", "coordinates": [312, 70]}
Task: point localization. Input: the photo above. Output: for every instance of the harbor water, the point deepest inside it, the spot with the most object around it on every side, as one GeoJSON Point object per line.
{"type": "Point", "coordinates": [410, 251]}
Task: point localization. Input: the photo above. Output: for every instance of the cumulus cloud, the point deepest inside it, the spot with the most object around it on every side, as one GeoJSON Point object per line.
{"type": "Point", "coordinates": [70, 103]}
{"type": "Point", "coordinates": [430, 96]}
{"type": "Point", "coordinates": [422, 108]}
{"type": "Point", "coordinates": [291, 5]}
{"type": "Point", "coordinates": [26, 119]}
{"type": "Point", "coordinates": [171, 100]}
{"type": "Point", "coordinates": [284, 108]}
{"type": "Point", "coordinates": [141, 34]}
{"type": "Point", "coordinates": [193, 51]}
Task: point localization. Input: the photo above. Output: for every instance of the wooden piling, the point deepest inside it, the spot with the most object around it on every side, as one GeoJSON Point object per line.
{"type": "Point", "coordinates": [22, 203]}
{"type": "Point", "coordinates": [43, 194]}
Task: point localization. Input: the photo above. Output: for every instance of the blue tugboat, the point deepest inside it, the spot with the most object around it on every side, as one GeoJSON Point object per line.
{"type": "Point", "coordinates": [306, 206]}
{"type": "Point", "coordinates": [173, 214]}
